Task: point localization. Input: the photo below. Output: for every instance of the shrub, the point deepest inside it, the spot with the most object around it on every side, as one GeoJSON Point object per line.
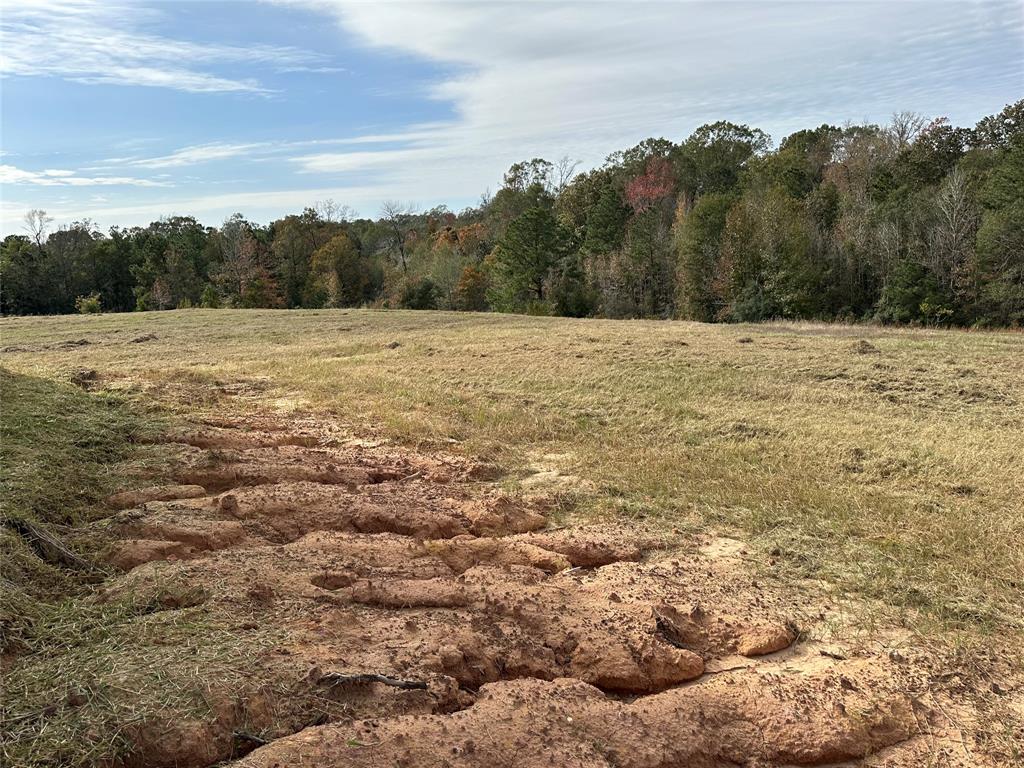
{"type": "Point", "coordinates": [471, 291]}
{"type": "Point", "coordinates": [209, 298]}
{"type": "Point", "coordinates": [419, 294]}
{"type": "Point", "coordinates": [912, 295]}
{"type": "Point", "coordinates": [88, 305]}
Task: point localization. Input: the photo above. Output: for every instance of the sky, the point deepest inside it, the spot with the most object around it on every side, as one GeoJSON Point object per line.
{"type": "Point", "coordinates": [123, 112]}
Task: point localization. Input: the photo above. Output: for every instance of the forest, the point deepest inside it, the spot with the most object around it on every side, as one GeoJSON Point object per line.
{"type": "Point", "coordinates": [913, 222]}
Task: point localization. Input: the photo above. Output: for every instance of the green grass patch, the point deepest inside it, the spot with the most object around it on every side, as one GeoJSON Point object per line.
{"type": "Point", "coordinates": [62, 450]}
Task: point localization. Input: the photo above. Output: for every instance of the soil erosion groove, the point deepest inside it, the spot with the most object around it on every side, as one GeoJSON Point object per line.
{"type": "Point", "coordinates": [424, 618]}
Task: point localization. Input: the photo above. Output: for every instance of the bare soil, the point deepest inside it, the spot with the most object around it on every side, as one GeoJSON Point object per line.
{"type": "Point", "coordinates": [425, 617]}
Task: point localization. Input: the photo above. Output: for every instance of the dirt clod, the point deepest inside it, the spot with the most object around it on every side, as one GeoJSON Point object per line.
{"type": "Point", "coordinates": [128, 499]}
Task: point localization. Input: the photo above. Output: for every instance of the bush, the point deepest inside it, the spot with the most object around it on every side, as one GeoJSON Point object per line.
{"type": "Point", "coordinates": [209, 298]}
{"type": "Point", "coordinates": [419, 294]}
{"type": "Point", "coordinates": [471, 292]}
{"type": "Point", "coordinates": [88, 305]}
{"type": "Point", "coordinates": [571, 294]}
{"type": "Point", "coordinates": [538, 308]}
{"type": "Point", "coordinates": [260, 293]}
{"type": "Point", "coordinates": [912, 295]}
{"type": "Point", "coordinates": [752, 304]}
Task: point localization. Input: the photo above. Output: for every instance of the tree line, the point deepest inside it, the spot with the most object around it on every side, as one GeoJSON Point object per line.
{"type": "Point", "coordinates": [912, 222]}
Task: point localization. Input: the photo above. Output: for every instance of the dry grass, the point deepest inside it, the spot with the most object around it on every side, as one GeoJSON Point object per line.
{"type": "Point", "coordinates": [886, 462]}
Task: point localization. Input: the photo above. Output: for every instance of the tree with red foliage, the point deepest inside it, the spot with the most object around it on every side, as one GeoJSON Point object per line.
{"type": "Point", "coordinates": [655, 184]}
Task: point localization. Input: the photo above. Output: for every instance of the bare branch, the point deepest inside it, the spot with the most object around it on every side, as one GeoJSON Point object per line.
{"type": "Point", "coordinates": [332, 211]}
{"type": "Point", "coordinates": [36, 224]}
{"type": "Point", "coordinates": [904, 128]}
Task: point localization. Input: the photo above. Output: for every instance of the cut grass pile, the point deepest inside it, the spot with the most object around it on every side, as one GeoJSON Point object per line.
{"type": "Point", "coordinates": [62, 450]}
{"type": "Point", "coordinates": [83, 676]}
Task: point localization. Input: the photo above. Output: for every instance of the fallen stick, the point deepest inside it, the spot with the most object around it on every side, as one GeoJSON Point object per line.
{"type": "Point", "coordinates": [250, 738]}
{"type": "Point", "coordinates": [336, 678]}
{"type": "Point", "coordinates": [46, 545]}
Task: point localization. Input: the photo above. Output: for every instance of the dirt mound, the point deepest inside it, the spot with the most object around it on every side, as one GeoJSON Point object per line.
{"type": "Point", "coordinates": [735, 719]}
{"type": "Point", "coordinates": [421, 618]}
{"type": "Point", "coordinates": [128, 499]}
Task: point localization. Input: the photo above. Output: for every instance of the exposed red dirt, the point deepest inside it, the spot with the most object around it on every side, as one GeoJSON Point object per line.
{"type": "Point", "coordinates": [426, 619]}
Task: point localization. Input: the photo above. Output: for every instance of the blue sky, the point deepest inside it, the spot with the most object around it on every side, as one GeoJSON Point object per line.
{"type": "Point", "coordinates": [125, 111]}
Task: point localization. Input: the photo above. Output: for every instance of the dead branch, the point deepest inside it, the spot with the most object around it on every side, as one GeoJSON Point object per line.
{"type": "Point", "coordinates": [336, 678]}
{"type": "Point", "coordinates": [46, 545]}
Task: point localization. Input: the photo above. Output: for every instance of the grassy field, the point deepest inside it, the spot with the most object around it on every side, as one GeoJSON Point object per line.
{"type": "Point", "coordinates": [885, 462]}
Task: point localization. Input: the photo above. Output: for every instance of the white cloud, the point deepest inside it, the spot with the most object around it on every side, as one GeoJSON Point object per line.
{"type": "Point", "coordinates": [52, 177]}
{"type": "Point", "coordinates": [353, 162]}
{"type": "Point", "coordinates": [261, 150]}
{"type": "Point", "coordinates": [211, 209]}
{"type": "Point", "coordinates": [91, 41]}
{"type": "Point", "coordinates": [524, 80]}
{"type": "Point", "coordinates": [584, 79]}
{"type": "Point", "coordinates": [199, 154]}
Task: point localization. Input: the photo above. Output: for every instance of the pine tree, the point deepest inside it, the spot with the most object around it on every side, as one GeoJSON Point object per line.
{"type": "Point", "coordinates": [534, 243]}
{"type": "Point", "coordinates": [606, 223]}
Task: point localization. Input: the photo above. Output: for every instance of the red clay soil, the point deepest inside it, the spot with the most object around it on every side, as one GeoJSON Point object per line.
{"type": "Point", "coordinates": [427, 619]}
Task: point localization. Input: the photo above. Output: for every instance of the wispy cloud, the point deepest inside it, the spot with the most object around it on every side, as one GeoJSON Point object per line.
{"type": "Point", "coordinates": [586, 78]}
{"type": "Point", "coordinates": [53, 177]}
{"type": "Point", "coordinates": [562, 78]}
{"type": "Point", "coordinates": [106, 42]}
{"type": "Point", "coordinates": [202, 153]}
{"type": "Point", "coordinates": [261, 150]}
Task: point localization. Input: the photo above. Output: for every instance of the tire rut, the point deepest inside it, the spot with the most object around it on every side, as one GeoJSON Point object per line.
{"type": "Point", "coordinates": [447, 625]}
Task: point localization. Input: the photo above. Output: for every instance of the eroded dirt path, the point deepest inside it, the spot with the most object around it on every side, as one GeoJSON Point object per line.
{"type": "Point", "coordinates": [424, 618]}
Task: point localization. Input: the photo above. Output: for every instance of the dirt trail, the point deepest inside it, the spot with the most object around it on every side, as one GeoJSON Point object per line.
{"type": "Point", "coordinates": [426, 619]}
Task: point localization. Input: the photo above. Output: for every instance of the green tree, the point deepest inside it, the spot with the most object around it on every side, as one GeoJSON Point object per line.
{"type": "Point", "coordinates": [606, 223]}
{"type": "Point", "coordinates": [714, 156]}
{"type": "Point", "coordinates": [999, 265]}
{"type": "Point", "coordinates": [768, 267]}
{"type": "Point", "coordinates": [112, 262]}
{"type": "Point", "coordinates": [698, 238]}
{"type": "Point", "coordinates": [799, 164]}
{"type": "Point", "coordinates": [533, 245]}
{"type": "Point", "coordinates": [23, 279]}
{"type": "Point", "coordinates": [571, 293]}
{"type": "Point", "coordinates": [998, 269]}
{"type": "Point", "coordinates": [999, 131]}
{"type": "Point", "coordinates": [209, 299]}
{"type": "Point", "coordinates": [913, 295]}
{"type": "Point", "coordinates": [295, 240]}
{"type": "Point", "coordinates": [933, 154]}
{"type": "Point", "coordinates": [1005, 184]}
{"type": "Point", "coordinates": [419, 293]}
